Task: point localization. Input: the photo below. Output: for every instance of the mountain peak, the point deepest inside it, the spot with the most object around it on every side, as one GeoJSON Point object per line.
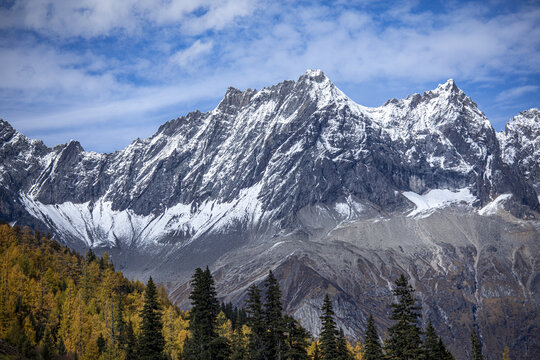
{"type": "Point", "coordinates": [531, 112]}
{"type": "Point", "coordinates": [449, 86]}
{"type": "Point", "coordinates": [234, 99]}
{"type": "Point", "coordinates": [527, 118]}
{"type": "Point", "coordinates": [6, 131]}
{"type": "Point", "coordinates": [5, 124]}
{"type": "Point", "coordinates": [316, 75]}
{"type": "Point", "coordinates": [320, 88]}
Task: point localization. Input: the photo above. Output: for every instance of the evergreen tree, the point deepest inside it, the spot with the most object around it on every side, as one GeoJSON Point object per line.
{"type": "Point", "coordinates": [372, 347]}
{"type": "Point", "coordinates": [444, 352]}
{"type": "Point", "coordinates": [61, 347]}
{"type": "Point", "coordinates": [256, 323]}
{"type": "Point", "coordinates": [241, 319]}
{"type": "Point", "coordinates": [476, 347]}
{"type": "Point", "coordinates": [273, 313]}
{"type": "Point", "coordinates": [204, 344]}
{"type": "Point", "coordinates": [101, 343]}
{"type": "Point", "coordinates": [90, 256]}
{"type": "Point", "coordinates": [404, 341]}
{"type": "Point", "coordinates": [237, 316]}
{"type": "Point", "coordinates": [328, 332]}
{"type": "Point", "coordinates": [228, 310]}
{"type": "Point", "coordinates": [47, 346]}
{"type": "Point", "coordinates": [151, 340]}
{"type": "Point", "coordinates": [296, 340]}
{"type": "Point", "coordinates": [119, 328]}
{"type": "Point", "coordinates": [341, 347]}
{"type": "Point", "coordinates": [131, 343]}
{"type": "Point", "coordinates": [220, 348]}
{"type": "Point", "coordinates": [432, 350]}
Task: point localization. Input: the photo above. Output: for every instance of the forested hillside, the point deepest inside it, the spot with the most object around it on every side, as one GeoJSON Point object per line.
{"type": "Point", "coordinates": [57, 304]}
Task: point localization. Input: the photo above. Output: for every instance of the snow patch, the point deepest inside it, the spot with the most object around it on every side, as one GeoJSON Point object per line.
{"type": "Point", "coordinates": [276, 245]}
{"type": "Point", "coordinates": [349, 209]}
{"type": "Point", "coordinates": [343, 209]}
{"type": "Point", "coordinates": [494, 206]}
{"type": "Point", "coordinates": [438, 198]}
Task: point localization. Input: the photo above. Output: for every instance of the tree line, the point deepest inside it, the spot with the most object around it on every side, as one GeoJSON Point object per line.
{"type": "Point", "coordinates": [57, 304]}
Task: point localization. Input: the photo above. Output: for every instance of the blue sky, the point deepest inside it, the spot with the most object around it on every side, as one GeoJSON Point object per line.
{"type": "Point", "coordinates": [106, 72]}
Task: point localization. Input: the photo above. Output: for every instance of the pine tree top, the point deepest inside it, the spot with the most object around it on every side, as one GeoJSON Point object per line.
{"type": "Point", "coordinates": [327, 309]}
{"type": "Point", "coordinates": [372, 347]}
{"type": "Point", "coordinates": [405, 309]}
{"type": "Point", "coordinates": [328, 339]}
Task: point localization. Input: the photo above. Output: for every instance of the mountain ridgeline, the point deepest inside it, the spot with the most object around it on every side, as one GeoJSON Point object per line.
{"type": "Point", "coordinates": [331, 195]}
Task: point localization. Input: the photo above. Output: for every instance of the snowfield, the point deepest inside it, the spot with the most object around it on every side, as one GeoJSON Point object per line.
{"type": "Point", "coordinates": [438, 198]}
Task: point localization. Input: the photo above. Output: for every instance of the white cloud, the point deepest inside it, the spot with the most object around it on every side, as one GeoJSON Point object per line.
{"type": "Point", "coordinates": [516, 92]}
{"type": "Point", "coordinates": [189, 57]}
{"type": "Point", "coordinates": [219, 15]}
{"type": "Point", "coordinates": [461, 47]}
{"type": "Point", "coordinates": [91, 18]}
{"type": "Point", "coordinates": [36, 68]}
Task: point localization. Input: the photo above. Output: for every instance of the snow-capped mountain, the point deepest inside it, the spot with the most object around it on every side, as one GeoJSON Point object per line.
{"type": "Point", "coordinates": [299, 178]}
{"type": "Point", "coordinates": [520, 142]}
{"type": "Point", "coordinates": [261, 158]}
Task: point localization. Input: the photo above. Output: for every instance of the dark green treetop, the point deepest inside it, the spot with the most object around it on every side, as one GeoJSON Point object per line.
{"type": "Point", "coordinates": [256, 322]}
{"type": "Point", "coordinates": [296, 340]}
{"type": "Point", "coordinates": [341, 347]}
{"type": "Point", "coordinates": [151, 341]}
{"type": "Point", "coordinates": [328, 332]}
{"type": "Point", "coordinates": [204, 343]}
{"type": "Point", "coordinates": [404, 342]}
{"type": "Point", "coordinates": [372, 346]}
{"type": "Point", "coordinates": [273, 313]}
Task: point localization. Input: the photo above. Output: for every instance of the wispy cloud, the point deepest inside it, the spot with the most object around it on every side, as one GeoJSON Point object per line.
{"type": "Point", "coordinates": [140, 102]}
{"type": "Point", "coordinates": [90, 18]}
{"type": "Point", "coordinates": [44, 68]}
{"type": "Point", "coordinates": [513, 93]}
{"type": "Point", "coordinates": [189, 57]}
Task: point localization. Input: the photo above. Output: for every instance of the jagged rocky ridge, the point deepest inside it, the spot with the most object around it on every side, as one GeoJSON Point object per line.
{"type": "Point", "coordinates": [520, 142]}
{"type": "Point", "coordinates": [299, 178]}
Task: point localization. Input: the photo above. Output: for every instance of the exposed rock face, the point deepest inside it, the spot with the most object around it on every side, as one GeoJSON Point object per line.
{"type": "Point", "coordinates": [466, 269]}
{"type": "Point", "coordinates": [298, 178]}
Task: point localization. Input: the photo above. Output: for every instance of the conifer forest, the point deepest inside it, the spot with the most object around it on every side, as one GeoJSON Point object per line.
{"type": "Point", "coordinates": [58, 304]}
